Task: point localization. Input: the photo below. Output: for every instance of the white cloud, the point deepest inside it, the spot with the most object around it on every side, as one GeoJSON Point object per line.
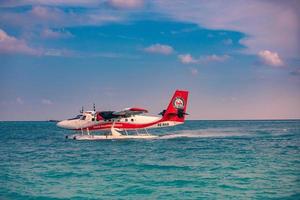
{"type": "Point", "coordinates": [20, 101]}
{"type": "Point", "coordinates": [270, 58]}
{"type": "Point", "coordinates": [4, 36]}
{"type": "Point", "coordinates": [52, 34]}
{"type": "Point", "coordinates": [267, 24]}
{"type": "Point", "coordinates": [82, 3]}
{"type": "Point", "coordinates": [44, 14]}
{"type": "Point", "coordinates": [215, 57]}
{"type": "Point", "coordinates": [99, 18]}
{"type": "Point", "coordinates": [194, 71]}
{"type": "Point", "coordinates": [60, 52]}
{"type": "Point", "coordinates": [187, 59]}
{"type": "Point", "coordinates": [50, 16]}
{"type": "Point", "coordinates": [160, 48]}
{"type": "Point", "coordinates": [126, 4]}
{"type": "Point", "coordinates": [47, 102]}
{"type": "Point", "coordinates": [10, 44]}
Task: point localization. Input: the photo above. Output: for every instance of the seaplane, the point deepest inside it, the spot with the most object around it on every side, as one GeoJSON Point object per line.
{"type": "Point", "coordinates": [117, 124]}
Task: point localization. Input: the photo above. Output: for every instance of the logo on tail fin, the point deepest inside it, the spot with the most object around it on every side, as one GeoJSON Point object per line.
{"type": "Point", "coordinates": [178, 103]}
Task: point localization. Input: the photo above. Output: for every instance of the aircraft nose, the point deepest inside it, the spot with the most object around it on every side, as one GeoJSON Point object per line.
{"type": "Point", "coordinates": [63, 124]}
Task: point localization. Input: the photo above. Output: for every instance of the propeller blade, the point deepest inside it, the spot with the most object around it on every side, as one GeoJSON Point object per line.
{"type": "Point", "coordinates": [162, 112]}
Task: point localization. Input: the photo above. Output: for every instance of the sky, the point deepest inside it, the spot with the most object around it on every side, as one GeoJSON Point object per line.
{"type": "Point", "coordinates": [238, 59]}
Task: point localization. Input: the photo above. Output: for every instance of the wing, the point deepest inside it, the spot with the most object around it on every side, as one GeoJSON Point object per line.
{"type": "Point", "coordinates": [130, 111]}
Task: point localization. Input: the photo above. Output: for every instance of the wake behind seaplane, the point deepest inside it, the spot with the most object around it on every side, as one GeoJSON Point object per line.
{"type": "Point", "coordinates": [115, 122]}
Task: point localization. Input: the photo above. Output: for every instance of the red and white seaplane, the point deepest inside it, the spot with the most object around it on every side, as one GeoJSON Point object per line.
{"type": "Point", "coordinates": [126, 120]}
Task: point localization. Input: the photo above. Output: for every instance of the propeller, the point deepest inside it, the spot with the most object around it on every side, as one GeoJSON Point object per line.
{"type": "Point", "coordinates": [162, 112]}
{"type": "Point", "coordinates": [94, 107]}
{"type": "Point", "coordinates": [181, 113]}
{"type": "Point", "coordinates": [81, 111]}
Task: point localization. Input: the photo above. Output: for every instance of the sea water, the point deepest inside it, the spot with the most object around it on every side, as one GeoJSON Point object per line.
{"type": "Point", "coordinates": [197, 160]}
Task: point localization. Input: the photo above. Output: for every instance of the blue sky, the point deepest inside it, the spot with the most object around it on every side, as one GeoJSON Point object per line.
{"type": "Point", "coordinates": [238, 59]}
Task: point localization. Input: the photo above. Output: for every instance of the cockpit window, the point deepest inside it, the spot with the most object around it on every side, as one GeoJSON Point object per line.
{"type": "Point", "coordinates": [77, 117]}
{"type": "Point", "coordinates": [83, 118]}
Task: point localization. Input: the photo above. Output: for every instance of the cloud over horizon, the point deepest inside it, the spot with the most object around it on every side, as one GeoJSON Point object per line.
{"type": "Point", "coordinates": [270, 58]}
{"type": "Point", "coordinates": [120, 4]}
{"type": "Point", "coordinates": [279, 36]}
{"type": "Point", "coordinates": [10, 44]}
{"type": "Point", "coordinates": [46, 102]}
{"type": "Point", "coordinates": [126, 4]}
{"type": "Point", "coordinates": [159, 49]}
{"type": "Point", "coordinates": [55, 34]}
{"type": "Point", "coordinates": [47, 17]}
{"type": "Point", "coordinates": [189, 59]}
{"type": "Point", "coordinates": [282, 35]}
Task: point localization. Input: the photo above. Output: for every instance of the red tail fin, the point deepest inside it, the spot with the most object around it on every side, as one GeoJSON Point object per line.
{"type": "Point", "coordinates": [176, 110]}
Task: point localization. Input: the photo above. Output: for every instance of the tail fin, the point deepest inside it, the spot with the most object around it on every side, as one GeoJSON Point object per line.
{"type": "Point", "coordinates": [176, 110]}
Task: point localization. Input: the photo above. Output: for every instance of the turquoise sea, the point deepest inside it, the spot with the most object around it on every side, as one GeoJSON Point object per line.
{"type": "Point", "coordinates": [197, 160]}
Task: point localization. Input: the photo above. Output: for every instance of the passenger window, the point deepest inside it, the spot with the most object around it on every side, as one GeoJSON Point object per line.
{"type": "Point", "coordinates": [132, 120]}
{"type": "Point", "coordinates": [126, 120]}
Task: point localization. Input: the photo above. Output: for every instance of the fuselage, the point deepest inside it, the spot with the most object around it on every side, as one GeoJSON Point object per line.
{"type": "Point", "coordinates": [90, 121]}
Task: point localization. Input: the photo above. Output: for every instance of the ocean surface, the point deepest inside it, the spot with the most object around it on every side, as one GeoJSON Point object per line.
{"type": "Point", "coordinates": [197, 160]}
